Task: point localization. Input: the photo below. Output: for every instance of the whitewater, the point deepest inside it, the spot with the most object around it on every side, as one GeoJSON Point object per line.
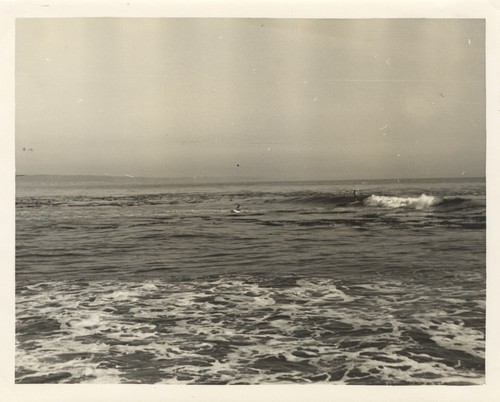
{"type": "Point", "coordinates": [137, 280]}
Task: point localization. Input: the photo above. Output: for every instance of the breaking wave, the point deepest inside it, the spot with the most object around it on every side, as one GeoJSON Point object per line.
{"type": "Point", "coordinates": [422, 202]}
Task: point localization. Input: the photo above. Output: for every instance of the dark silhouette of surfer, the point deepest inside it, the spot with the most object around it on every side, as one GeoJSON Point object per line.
{"type": "Point", "coordinates": [237, 210]}
{"type": "Point", "coordinates": [358, 197]}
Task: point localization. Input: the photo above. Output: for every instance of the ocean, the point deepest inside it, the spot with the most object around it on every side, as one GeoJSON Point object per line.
{"type": "Point", "coordinates": [143, 280]}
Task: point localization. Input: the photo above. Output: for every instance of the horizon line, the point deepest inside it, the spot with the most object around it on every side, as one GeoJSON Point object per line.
{"type": "Point", "coordinates": [247, 178]}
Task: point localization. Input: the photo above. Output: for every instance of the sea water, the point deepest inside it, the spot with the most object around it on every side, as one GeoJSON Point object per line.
{"type": "Point", "coordinates": [128, 280]}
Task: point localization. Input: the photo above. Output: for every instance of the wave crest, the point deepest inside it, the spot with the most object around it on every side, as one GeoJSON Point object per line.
{"type": "Point", "coordinates": [422, 202]}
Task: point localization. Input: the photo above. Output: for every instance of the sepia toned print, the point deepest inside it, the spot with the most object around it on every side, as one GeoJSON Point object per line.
{"type": "Point", "coordinates": [250, 201]}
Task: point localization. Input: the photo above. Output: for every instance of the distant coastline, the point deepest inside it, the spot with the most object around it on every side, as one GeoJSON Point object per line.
{"type": "Point", "coordinates": [233, 179]}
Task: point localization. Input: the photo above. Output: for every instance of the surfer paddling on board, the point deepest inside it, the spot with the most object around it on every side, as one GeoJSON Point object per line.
{"type": "Point", "coordinates": [237, 210]}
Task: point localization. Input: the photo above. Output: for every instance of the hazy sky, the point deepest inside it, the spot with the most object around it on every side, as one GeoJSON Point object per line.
{"type": "Point", "coordinates": [267, 98]}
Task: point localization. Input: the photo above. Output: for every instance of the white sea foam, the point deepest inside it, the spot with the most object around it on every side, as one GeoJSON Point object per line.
{"type": "Point", "coordinates": [422, 202]}
{"type": "Point", "coordinates": [326, 289]}
{"type": "Point", "coordinates": [121, 295]}
{"type": "Point", "coordinates": [234, 331]}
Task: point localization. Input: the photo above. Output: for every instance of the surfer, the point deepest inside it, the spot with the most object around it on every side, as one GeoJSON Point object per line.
{"type": "Point", "coordinates": [237, 210]}
{"type": "Point", "coordinates": [357, 198]}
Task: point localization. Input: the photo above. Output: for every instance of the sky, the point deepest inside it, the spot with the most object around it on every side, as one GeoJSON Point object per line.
{"type": "Point", "coordinates": [298, 99]}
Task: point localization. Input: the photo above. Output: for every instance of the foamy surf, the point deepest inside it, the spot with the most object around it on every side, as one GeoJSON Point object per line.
{"type": "Point", "coordinates": [422, 202]}
{"type": "Point", "coordinates": [207, 332]}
